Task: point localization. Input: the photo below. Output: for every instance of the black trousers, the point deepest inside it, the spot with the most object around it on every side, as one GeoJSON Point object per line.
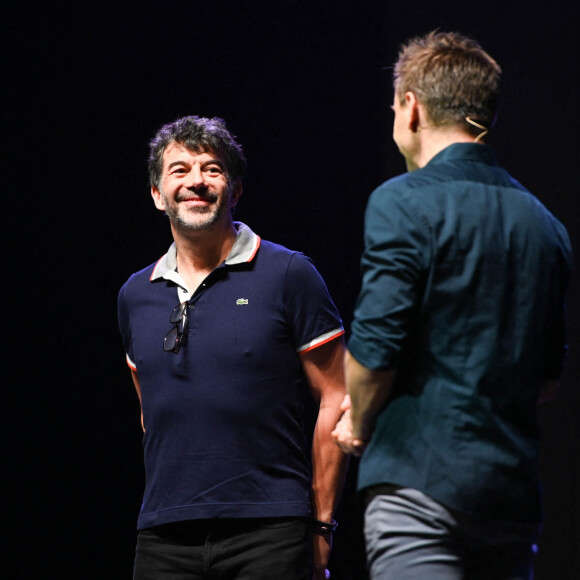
{"type": "Point", "coordinates": [240, 549]}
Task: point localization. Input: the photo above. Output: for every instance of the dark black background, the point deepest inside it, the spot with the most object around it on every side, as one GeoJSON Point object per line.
{"type": "Point", "coordinates": [306, 88]}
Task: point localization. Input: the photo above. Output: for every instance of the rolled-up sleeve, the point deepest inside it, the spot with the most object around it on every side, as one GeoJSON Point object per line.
{"type": "Point", "coordinates": [394, 264]}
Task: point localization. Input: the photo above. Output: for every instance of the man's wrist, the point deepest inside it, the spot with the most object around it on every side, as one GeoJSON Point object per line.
{"type": "Point", "coordinates": [324, 528]}
{"type": "Point", "coordinates": [362, 429]}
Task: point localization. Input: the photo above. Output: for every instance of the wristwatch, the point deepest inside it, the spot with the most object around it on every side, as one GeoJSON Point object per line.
{"type": "Point", "coordinates": [324, 528]}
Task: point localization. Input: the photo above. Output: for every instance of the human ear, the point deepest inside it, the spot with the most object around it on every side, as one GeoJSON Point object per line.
{"type": "Point", "coordinates": [412, 107]}
{"type": "Point", "coordinates": [157, 198]}
{"type": "Point", "coordinates": [237, 191]}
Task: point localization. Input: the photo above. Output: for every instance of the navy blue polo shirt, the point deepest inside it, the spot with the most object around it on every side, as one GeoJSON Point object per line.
{"type": "Point", "coordinates": [464, 274]}
{"type": "Point", "coordinates": [224, 432]}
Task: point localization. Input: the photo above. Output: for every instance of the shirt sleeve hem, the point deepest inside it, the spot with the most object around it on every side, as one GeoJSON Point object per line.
{"type": "Point", "coordinates": [131, 364]}
{"type": "Point", "coordinates": [366, 356]}
{"type": "Point", "coordinates": [323, 339]}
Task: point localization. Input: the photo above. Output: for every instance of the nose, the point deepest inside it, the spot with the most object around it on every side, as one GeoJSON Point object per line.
{"type": "Point", "coordinates": [195, 178]}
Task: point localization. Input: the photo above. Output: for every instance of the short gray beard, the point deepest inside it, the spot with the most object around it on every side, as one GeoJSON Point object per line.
{"type": "Point", "coordinates": [178, 222]}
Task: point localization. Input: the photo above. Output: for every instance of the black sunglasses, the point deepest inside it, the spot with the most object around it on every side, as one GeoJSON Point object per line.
{"type": "Point", "coordinates": [174, 338]}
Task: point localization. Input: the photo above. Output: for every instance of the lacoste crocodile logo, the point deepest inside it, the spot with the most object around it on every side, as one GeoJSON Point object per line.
{"type": "Point", "coordinates": [241, 301]}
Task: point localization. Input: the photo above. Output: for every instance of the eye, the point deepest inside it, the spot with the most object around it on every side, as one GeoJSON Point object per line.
{"type": "Point", "coordinates": [213, 170]}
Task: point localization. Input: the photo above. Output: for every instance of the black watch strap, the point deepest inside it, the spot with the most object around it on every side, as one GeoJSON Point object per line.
{"type": "Point", "coordinates": [324, 528]}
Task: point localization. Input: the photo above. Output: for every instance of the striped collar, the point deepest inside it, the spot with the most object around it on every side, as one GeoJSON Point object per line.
{"type": "Point", "coordinates": [244, 249]}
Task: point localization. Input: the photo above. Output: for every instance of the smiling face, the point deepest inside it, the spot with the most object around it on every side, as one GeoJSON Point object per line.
{"type": "Point", "coordinates": [195, 191]}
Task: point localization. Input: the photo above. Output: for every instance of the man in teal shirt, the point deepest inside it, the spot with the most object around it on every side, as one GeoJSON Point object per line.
{"type": "Point", "coordinates": [458, 332]}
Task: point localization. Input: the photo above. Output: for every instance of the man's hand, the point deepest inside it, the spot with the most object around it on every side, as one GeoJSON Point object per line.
{"type": "Point", "coordinates": [322, 547]}
{"type": "Point", "coordinates": [343, 432]}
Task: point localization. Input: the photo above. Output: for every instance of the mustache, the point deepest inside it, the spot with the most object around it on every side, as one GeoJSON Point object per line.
{"type": "Point", "coordinates": [205, 195]}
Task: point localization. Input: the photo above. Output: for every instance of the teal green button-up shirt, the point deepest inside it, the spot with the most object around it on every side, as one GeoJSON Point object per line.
{"type": "Point", "coordinates": [464, 275]}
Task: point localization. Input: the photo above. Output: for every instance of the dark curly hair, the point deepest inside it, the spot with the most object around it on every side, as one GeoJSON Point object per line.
{"type": "Point", "coordinates": [199, 134]}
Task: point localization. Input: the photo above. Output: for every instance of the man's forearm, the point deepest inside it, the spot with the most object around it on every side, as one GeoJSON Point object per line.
{"type": "Point", "coordinates": [324, 369]}
{"type": "Point", "coordinates": [369, 391]}
{"type": "Point", "coordinates": [329, 464]}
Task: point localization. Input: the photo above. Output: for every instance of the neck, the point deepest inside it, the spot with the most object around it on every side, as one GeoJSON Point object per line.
{"type": "Point", "coordinates": [200, 252]}
{"type": "Point", "coordinates": [434, 139]}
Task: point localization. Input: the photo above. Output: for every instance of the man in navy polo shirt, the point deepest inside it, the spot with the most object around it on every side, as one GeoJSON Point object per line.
{"type": "Point", "coordinates": [458, 331]}
{"type": "Point", "coordinates": [226, 336]}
